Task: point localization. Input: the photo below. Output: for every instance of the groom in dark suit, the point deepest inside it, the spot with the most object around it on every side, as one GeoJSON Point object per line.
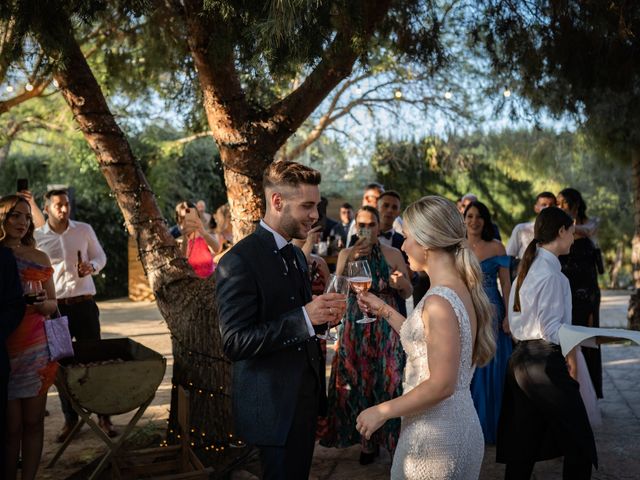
{"type": "Point", "coordinates": [268, 321]}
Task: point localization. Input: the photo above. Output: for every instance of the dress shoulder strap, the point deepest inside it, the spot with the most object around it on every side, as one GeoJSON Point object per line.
{"type": "Point", "coordinates": [464, 324]}
{"type": "Point", "coordinates": [454, 300]}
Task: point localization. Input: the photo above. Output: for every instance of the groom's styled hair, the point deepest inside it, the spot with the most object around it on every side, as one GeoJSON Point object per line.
{"type": "Point", "coordinates": [290, 174]}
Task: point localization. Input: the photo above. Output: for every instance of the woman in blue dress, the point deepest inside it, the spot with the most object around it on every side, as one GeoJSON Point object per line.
{"type": "Point", "coordinates": [487, 385]}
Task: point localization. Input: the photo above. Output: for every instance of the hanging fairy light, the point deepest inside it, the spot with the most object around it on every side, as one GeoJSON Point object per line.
{"type": "Point", "coordinates": [506, 93]}
{"type": "Point", "coordinates": [448, 95]}
{"type": "Point", "coordinates": [397, 94]}
{"type": "Point", "coordinates": [28, 87]}
{"type": "Point", "coordinates": [9, 88]}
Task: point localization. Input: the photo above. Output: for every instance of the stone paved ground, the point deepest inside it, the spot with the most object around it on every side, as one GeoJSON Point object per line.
{"type": "Point", "coordinates": [618, 439]}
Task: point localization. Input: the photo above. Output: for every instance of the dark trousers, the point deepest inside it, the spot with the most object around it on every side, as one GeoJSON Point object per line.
{"type": "Point", "coordinates": [84, 324]}
{"type": "Point", "coordinates": [4, 382]}
{"type": "Point", "coordinates": [293, 460]}
{"type": "Point", "coordinates": [543, 415]}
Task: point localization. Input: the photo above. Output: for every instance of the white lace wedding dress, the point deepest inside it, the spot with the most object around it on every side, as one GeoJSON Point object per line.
{"type": "Point", "coordinates": [445, 441]}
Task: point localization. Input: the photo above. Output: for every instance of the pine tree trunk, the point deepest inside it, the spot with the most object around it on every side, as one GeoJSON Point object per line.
{"type": "Point", "coordinates": [633, 313]}
{"type": "Point", "coordinates": [186, 302]}
{"type": "Point", "coordinates": [616, 266]}
{"type": "Point", "coordinates": [249, 136]}
{"type": "Point", "coordinates": [246, 200]}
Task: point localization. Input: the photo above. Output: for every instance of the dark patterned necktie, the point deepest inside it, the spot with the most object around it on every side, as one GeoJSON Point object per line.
{"type": "Point", "coordinates": [293, 271]}
{"type": "Point", "coordinates": [289, 256]}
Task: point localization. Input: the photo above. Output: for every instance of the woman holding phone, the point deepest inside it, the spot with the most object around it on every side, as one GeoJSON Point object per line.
{"type": "Point", "coordinates": [543, 415]}
{"type": "Point", "coordinates": [369, 359]}
{"type": "Point", "coordinates": [197, 245]}
{"type": "Point", "coordinates": [31, 371]}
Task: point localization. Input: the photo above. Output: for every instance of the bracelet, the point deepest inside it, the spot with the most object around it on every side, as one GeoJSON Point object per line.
{"type": "Point", "coordinates": [382, 311]}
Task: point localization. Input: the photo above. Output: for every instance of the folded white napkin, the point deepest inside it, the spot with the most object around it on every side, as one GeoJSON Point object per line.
{"type": "Point", "coordinates": [572, 335]}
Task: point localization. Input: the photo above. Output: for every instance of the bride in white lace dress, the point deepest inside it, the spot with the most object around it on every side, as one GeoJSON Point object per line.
{"type": "Point", "coordinates": [448, 333]}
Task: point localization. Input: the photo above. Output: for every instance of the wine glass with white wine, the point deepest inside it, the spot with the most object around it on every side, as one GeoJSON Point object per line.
{"type": "Point", "coordinates": [360, 281]}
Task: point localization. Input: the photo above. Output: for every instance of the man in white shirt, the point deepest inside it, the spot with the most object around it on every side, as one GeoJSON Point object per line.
{"type": "Point", "coordinates": [523, 232]}
{"type": "Point", "coordinates": [76, 255]}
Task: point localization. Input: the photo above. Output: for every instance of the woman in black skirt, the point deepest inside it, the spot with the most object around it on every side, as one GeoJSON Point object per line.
{"type": "Point", "coordinates": [581, 268]}
{"type": "Point", "coordinates": [542, 414]}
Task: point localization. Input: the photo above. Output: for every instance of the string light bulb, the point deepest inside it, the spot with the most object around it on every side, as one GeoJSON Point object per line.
{"type": "Point", "coordinates": [28, 87]}
{"type": "Point", "coordinates": [55, 83]}
{"type": "Point", "coordinates": [506, 93]}
{"type": "Point", "coordinates": [9, 88]}
{"type": "Point", "coordinates": [397, 94]}
{"type": "Point", "coordinates": [448, 95]}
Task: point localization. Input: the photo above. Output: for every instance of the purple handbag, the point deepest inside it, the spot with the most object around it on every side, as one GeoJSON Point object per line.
{"type": "Point", "coordinates": [58, 337]}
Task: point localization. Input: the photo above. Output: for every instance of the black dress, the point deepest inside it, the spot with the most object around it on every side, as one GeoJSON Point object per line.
{"type": "Point", "coordinates": [580, 268]}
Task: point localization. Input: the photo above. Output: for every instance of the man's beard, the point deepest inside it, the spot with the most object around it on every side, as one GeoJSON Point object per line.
{"type": "Point", "coordinates": [290, 226]}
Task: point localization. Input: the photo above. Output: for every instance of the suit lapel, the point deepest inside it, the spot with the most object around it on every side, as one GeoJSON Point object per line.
{"type": "Point", "coordinates": [269, 242]}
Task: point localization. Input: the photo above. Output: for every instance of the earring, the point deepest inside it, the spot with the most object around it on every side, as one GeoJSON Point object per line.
{"type": "Point", "coordinates": [426, 254]}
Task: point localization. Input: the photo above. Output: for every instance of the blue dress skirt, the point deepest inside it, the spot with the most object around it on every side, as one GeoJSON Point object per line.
{"type": "Point", "coordinates": [487, 385]}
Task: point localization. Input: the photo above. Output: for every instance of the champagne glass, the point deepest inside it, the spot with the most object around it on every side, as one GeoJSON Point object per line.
{"type": "Point", "coordinates": [336, 284]}
{"type": "Point", "coordinates": [31, 289]}
{"type": "Point", "coordinates": [360, 280]}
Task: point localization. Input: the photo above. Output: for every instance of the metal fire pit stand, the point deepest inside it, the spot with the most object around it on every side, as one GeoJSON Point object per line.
{"type": "Point", "coordinates": [85, 417]}
{"type": "Point", "coordinates": [108, 377]}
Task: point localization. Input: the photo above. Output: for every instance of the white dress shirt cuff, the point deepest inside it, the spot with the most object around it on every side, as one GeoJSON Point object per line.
{"type": "Point", "coordinates": [312, 332]}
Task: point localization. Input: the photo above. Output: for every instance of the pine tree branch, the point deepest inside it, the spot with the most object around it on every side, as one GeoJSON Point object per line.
{"type": "Point", "coordinates": [6, 42]}
{"type": "Point", "coordinates": [337, 64]}
{"type": "Point", "coordinates": [224, 100]}
{"type": "Point", "coordinates": [37, 90]}
{"type": "Point", "coordinates": [191, 138]}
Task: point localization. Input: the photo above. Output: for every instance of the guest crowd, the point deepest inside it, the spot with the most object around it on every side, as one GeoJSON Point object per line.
{"type": "Point", "coordinates": [545, 276]}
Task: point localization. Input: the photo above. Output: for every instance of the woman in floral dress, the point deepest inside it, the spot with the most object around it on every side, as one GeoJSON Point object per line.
{"type": "Point", "coordinates": [369, 360]}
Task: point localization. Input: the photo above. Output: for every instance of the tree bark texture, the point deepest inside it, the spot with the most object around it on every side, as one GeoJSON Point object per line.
{"type": "Point", "coordinates": [186, 302]}
{"type": "Point", "coordinates": [616, 266]}
{"type": "Point", "coordinates": [249, 136]}
{"type": "Point", "coordinates": [633, 314]}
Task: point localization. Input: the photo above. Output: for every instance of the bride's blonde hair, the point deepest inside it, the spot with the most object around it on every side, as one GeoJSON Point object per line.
{"type": "Point", "coordinates": [435, 223]}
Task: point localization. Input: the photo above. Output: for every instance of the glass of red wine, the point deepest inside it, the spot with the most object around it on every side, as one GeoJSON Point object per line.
{"type": "Point", "coordinates": [360, 280]}
{"type": "Point", "coordinates": [31, 289]}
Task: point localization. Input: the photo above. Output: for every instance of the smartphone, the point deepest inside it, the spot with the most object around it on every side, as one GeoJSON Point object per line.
{"type": "Point", "coordinates": [191, 213]}
{"type": "Point", "coordinates": [320, 223]}
{"type": "Point", "coordinates": [23, 184]}
{"type": "Point", "coordinates": [364, 233]}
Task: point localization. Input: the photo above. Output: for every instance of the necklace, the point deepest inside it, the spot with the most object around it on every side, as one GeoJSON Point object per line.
{"type": "Point", "coordinates": [474, 245]}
